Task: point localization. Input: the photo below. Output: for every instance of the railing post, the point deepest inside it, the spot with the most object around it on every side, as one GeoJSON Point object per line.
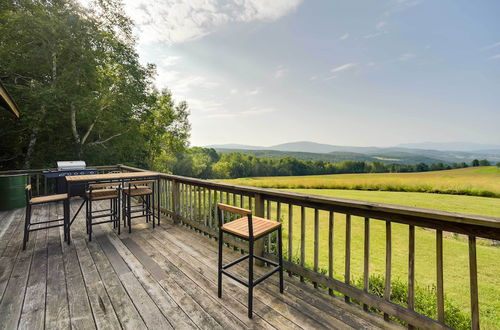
{"type": "Point", "coordinates": [259, 245]}
{"type": "Point", "coordinates": [175, 201]}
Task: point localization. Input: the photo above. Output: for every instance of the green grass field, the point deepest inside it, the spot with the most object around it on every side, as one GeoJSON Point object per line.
{"type": "Point", "coordinates": [456, 268]}
{"type": "Point", "coordinates": [456, 276]}
{"type": "Point", "coordinates": [475, 181]}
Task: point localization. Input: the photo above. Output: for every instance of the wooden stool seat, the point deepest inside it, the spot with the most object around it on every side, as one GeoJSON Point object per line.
{"type": "Point", "coordinates": [48, 199]}
{"type": "Point", "coordinates": [249, 228]}
{"type": "Point", "coordinates": [104, 191]}
{"type": "Point", "coordinates": [45, 223]}
{"type": "Point", "coordinates": [138, 191]}
{"type": "Point", "coordinates": [143, 192]}
{"type": "Point", "coordinates": [261, 227]}
{"type": "Point", "coordinates": [100, 194]}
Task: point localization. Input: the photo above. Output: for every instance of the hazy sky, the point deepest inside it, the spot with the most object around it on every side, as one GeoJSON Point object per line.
{"type": "Point", "coordinates": [367, 72]}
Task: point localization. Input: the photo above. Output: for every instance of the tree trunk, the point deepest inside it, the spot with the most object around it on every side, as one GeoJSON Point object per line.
{"type": "Point", "coordinates": [33, 138]}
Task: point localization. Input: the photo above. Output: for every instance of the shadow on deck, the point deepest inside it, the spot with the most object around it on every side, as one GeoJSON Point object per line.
{"type": "Point", "coordinates": [162, 278]}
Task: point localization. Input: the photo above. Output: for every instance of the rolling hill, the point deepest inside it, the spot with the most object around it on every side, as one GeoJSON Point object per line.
{"type": "Point", "coordinates": [333, 153]}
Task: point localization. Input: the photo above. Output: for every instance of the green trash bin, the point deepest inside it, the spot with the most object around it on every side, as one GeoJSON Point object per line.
{"type": "Point", "coordinates": [12, 195]}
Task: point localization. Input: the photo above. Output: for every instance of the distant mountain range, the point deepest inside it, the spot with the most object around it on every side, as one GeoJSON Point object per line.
{"type": "Point", "coordinates": [453, 146]}
{"type": "Point", "coordinates": [410, 153]}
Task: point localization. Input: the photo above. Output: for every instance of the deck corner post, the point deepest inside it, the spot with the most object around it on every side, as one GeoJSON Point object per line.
{"type": "Point", "coordinates": [259, 244]}
{"type": "Point", "coordinates": [176, 201]}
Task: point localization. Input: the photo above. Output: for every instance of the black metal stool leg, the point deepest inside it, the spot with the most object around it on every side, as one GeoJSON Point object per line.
{"type": "Point", "coordinates": [90, 219]}
{"type": "Point", "coordinates": [219, 279]}
{"type": "Point", "coordinates": [118, 221]}
{"type": "Point", "coordinates": [112, 206]}
{"type": "Point", "coordinates": [250, 279]}
{"type": "Point", "coordinates": [67, 216]}
{"type": "Point", "coordinates": [118, 217]}
{"type": "Point", "coordinates": [27, 221]}
{"type": "Point", "coordinates": [129, 215]}
{"type": "Point", "coordinates": [145, 207]}
{"type": "Point", "coordinates": [280, 257]}
{"type": "Point", "coordinates": [124, 209]}
{"type": "Point", "coordinates": [87, 215]}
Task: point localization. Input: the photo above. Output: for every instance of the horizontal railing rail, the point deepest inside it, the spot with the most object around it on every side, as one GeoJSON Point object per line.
{"type": "Point", "coordinates": [192, 202]}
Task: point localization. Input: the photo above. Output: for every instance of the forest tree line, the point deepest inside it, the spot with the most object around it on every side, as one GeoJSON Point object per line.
{"type": "Point", "coordinates": [209, 164]}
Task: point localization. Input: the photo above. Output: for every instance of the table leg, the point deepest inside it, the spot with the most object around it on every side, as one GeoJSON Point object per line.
{"type": "Point", "coordinates": [67, 223]}
{"type": "Point", "coordinates": [158, 200]}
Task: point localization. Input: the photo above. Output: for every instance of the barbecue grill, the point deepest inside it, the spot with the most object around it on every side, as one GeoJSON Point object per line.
{"type": "Point", "coordinates": [66, 168]}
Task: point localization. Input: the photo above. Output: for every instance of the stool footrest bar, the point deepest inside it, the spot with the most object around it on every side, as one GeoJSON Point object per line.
{"type": "Point", "coordinates": [275, 264]}
{"type": "Point", "coordinates": [232, 263]}
{"type": "Point", "coordinates": [263, 277]}
{"type": "Point", "coordinates": [237, 279]}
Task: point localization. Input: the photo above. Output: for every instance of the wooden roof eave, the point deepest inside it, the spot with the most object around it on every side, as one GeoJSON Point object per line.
{"type": "Point", "coordinates": [7, 102]}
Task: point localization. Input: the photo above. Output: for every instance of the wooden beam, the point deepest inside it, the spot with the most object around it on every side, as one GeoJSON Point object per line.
{"type": "Point", "coordinates": [7, 102]}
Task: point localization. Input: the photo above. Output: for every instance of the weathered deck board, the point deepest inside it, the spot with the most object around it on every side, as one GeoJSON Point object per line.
{"type": "Point", "coordinates": [149, 279]}
{"type": "Point", "coordinates": [33, 313]}
{"type": "Point", "coordinates": [289, 306]}
{"type": "Point", "coordinates": [78, 302]}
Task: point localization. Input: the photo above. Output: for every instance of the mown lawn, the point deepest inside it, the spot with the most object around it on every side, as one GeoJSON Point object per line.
{"type": "Point", "coordinates": [456, 273]}
{"type": "Point", "coordinates": [475, 181]}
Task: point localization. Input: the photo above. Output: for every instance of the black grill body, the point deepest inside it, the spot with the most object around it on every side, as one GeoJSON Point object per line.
{"type": "Point", "coordinates": [76, 190]}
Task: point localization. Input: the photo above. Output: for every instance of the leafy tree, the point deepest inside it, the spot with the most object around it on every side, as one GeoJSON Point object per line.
{"type": "Point", "coordinates": [484, 162]}
{"type": "Point", "coordinates": [422, 167]}
{"type": "Point", "coordinates": [475, 162]}
{"type": "Point", "coordinates": [82, 91]}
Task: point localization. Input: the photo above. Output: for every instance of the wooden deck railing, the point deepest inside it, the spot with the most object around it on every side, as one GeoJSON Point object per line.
{"type": "Point", "coordinates": [193, 202]}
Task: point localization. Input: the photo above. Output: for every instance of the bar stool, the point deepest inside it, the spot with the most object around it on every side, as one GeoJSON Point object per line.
{"type": "Point", "coordinates": [33, 226]}
{"type": "Point", "coordinates": [249, 228]}
{"type": "Point", "coordinates": [142, 191]}
{"type": "Point", "coordinates": [102, 192]}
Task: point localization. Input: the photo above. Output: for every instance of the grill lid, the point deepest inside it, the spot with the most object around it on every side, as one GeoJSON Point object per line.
{"type": "Point", "coordinates": [71, 165]}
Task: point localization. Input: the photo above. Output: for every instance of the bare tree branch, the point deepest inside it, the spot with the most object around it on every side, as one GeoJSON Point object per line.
{"type": "Point", "coordinates": [91, 127]}
{"type": "Point", "coordinates": [101, 143]}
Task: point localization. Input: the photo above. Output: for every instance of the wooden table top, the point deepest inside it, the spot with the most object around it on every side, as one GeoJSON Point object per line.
{"type": "Point", "coordinates": [109, 176]}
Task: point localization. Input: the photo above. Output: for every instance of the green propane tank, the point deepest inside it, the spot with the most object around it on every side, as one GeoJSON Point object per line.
{"type": "Point", "coordinates": [12, 194]}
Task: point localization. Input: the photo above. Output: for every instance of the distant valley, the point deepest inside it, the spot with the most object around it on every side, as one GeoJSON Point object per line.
{"type": "Point", "coordinates": [401, 154]}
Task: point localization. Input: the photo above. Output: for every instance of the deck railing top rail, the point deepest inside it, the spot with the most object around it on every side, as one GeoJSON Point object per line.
{"type": "Point", "coordinates": [397, 213]}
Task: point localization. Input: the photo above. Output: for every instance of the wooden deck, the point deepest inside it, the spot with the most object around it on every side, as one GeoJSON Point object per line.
{"type": "Point", "coordinates": [157, 279]}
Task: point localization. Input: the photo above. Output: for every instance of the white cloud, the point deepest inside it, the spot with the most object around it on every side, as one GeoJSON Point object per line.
{"type": "Point", "coordinates": [495, 57]}
{"type": "Point", "coordinates": [233, 91]}
{"type": "Point", "coordinates": [169, 60]}
{"type": "Point", "coordinates": [254, 91]}
{"type": "Point", "coordinates": [374, 35]}
{"type": "Point", "coordinates": [401, 5]}
{"type": "Point", "coordinates": [406, 57]}
{"type": "Point", "coordinates": [250, 112]}
{"type": "Point", "coordinates": [175, 21]}
{"type": "Point", "coordinates": [180, 83]}
{"type": "Point", "coordinates": [330, 77]}
{"type": "Point", "coordinates": [222, 115]}
{"type": "Point", "coordinates": [313, 78]}
{"type": "Point", "coordinates": [257, 111]}
{"type": "Point", "coordinates": [496, 44]}
{"type": "Point", "coordinates": [344, 37]}
{"type": "Point", "coordinates": [344, 67]}
{"type": "Point", "coordinates": [380, 25]}
{"type": "Point", "coordinates": [280, 72]}
{"type": "Point", "coordinates": [204, 105]}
